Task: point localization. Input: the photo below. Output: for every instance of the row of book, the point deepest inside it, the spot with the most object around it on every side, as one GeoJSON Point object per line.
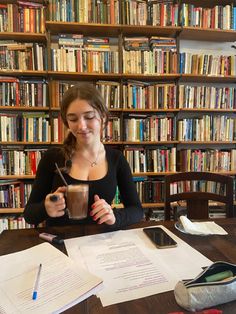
{"type": "Point", "coordinates": [23, 16]}
{"type": "Point", "coordinates": [110, 91]}
{"type": "Point", "coordinates": [75, 59]}
{"type": "Point", "coordinates": [73, 53]}
{"type": "Point", "coordinates": [207, 64]}
{"type": "Point", "coordinates": [165, 13]}
{"type": "Point", "coordinates": [27, 92]}
{"type": "Point", "coordinates": [149, 190]}
{"type": "Point", "coordinates": [23, 92]}
{"type": "Point", "coordinates": [154, 55]}
{"type": "Point", "coordinates": [213, 160]}
{"type": "Point", "coordinates": [85, 11]}
{"type": "Point", "coordinates": [142, 95]}
{"type": "Point", "coordinates": [156, 214]}
{"type": "Point", "coordinates": [207, 97]}
{"type": "Point", "coordinates": [217, 17]}
{"type": "Point", "coordinates": [36, 127]}
{"type": "Point", "coordinates": [141, 55]}
{"type": "Point", "coordinates": [112, 133]}
{"type": "Point", "coordinates": [19, 161]}
{"type": "Point", "coordinates": [25, 162]}
{"type": "Point", "coordinates": [151, 159]}
{"type": "Point", "coordinates": [150, 62]}
{"type": "Point", "coordinates": [135, 94]}
{"type": "Point", "coordinates": [145, 43]}
{"type": "Point", "coordinates": [59, 130]}
{"type": "Point", "coordinates": [154, 128]}
{"type": "Point", "coordinates": [22, 56]}
{"type": "Point", "coordinates": [136, 12]}
{"type": "Point", "coordinates": [207, 128]}
{"type": "Point", "coordinates": [25, 127]}
{"type": "Point", "coordinates": [152, 95]}
{"type": "Point", "coordinates": [14, 194]}
{"type": "Point", "coordinates": [13, 222]}
{"type": "Point", "coordinates": [198, 186]}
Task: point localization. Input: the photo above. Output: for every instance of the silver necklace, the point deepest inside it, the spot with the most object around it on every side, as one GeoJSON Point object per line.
{"type": "Point", "coordinates": [95, 162]}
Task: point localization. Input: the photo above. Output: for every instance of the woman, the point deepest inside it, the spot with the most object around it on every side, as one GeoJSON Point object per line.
{"type": "Point", "coordinates": [84, 159]}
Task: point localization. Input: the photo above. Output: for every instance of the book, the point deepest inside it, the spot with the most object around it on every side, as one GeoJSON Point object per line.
{"type": "Point", "coordinates": [62, 283]}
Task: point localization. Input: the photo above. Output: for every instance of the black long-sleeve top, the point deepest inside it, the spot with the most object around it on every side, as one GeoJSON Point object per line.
{"type": "Point", "coordinates": [118, 174]}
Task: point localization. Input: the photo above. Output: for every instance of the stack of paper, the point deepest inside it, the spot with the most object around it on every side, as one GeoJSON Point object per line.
{"type": "Point", "coordinates": [62, 283]}
{"type": "Point", "coordinates": [131, 265]}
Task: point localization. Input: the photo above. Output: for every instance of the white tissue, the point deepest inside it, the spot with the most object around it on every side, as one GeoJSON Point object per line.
{"type": "Point", "coordinates": [201, 228]}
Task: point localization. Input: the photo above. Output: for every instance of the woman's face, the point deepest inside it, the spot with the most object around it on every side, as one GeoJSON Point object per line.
{"type": "Point", "coordinates": [84, 122]}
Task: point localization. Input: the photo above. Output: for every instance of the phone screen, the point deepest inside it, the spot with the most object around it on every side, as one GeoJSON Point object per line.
{"type": "Point", "coordinates": [160, 237]}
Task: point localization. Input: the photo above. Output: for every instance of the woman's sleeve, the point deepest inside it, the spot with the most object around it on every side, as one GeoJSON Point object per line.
{"type": "Point", "coordinates": [132, 211]}
{"type": "Point", "coordinates": [35, 211]}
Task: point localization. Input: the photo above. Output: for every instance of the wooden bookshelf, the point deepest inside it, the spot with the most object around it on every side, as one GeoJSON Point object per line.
{"type": "Point", "coordinates": [207, 78]}
{"type": "Point", "coordinates": [119, 32]}
{"type": "Point", "coordinates": [23, 108]}
{"type": "Point", "coordinates": [25, 37]}
{"type": "Point", "coordinates": [28, 73]}
{"type": "Point", "coordinates": [11, 210]}
{"type": "Point", "coordinates": [20, 177]}
{"type": "Point", "coordinates": [207, 34]}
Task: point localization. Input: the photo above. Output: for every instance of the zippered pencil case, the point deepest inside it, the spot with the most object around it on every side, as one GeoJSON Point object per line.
{"type": "Point", "coordinates": [215, 285]}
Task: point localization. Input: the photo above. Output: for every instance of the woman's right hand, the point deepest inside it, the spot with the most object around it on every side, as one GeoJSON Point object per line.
{"type": "Point", "coordinates": [56, 208]}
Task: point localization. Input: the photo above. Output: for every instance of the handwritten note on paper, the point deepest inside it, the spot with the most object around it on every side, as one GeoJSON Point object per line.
{"type": "Point", "coordinates": [131, 266]}
{"type": "Point", "coordinates": [62, 283]}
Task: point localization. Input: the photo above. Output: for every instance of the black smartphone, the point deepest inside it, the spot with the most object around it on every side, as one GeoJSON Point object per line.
{"type": "Point", "coordinates": [160, 237]}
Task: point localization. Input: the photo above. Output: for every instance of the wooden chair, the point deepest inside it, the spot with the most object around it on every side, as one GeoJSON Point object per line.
{"type": "Point", "coordinates": [197, 199]}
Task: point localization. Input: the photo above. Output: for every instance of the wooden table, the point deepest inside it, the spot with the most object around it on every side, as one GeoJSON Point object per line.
{"type": "Point", "coordinates": [216, 248]}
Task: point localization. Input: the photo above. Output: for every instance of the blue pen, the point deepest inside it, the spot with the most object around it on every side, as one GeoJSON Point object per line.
{"type": "Point", "coordinates": [35, 290]}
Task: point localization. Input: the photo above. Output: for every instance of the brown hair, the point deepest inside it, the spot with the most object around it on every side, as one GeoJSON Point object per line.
{"type": "Point", "coordinates": [91, 94]}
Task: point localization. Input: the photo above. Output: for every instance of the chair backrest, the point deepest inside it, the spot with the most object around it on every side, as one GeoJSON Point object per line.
{"type": "Point", "coordinates": [197, 188]}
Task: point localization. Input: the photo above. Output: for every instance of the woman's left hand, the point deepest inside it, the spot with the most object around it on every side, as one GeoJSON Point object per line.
{"type": "Point", "coordinates": [102, 211]}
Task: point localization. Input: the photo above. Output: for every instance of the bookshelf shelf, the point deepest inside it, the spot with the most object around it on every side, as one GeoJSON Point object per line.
{"type": "Point", "coordinates": [207, 78]}
{"type": "Point", "coordinates": [207, 34]}
{"type": "Point", "coordinates": [107, 143]}
{"type": "Point", "coordinates": [32, 37]}
{"type": "Point", "coordinates": [149, 110]}
{"type": "Point", "coordinates": [11, 210]}
{"type": "Point", "coordinates": [23, 108]}
{"type": "Point", "coordinates": [149, 142]}
{"type": "Point", "coordinates": [23, 73]}
{"type": "Point", "coordinates": [148, 30]}
{"type": "Point", "coordinates": [83, 76]}
{"type": "Point", "coordinates": [107, 76]}
{"type": "Point", "coordinates": [145, 205]}
{"type": "Point", "coordinates": [111, 30]}
{"type": "Point", "coordinates": [110, 109]}
{"type": "Point", "coordinates": [20, 177]}
{"type": "Point", "coordinates": [85, 28]}
{"type": "Point", "coordinates": [205, 110]}
{"type": "Point", "coordinates": [208, 142]}
{"type": "Point", "coordinates": [113, 143]}
{"type": "Point", "coordinates": [152, 174]}
{"type": "Point", "coordinates": [151, 77]}
{"type": "Point", "coordinates": [26, 143]}
{"type": "Point", "coordinates": [139, 110]}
